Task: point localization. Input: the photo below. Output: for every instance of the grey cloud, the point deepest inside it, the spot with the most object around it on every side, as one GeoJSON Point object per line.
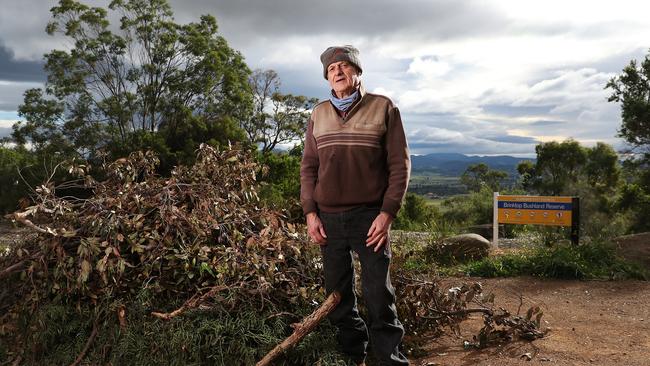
{"type": "Point", "coordinates": [605, 29]}
{"type": "Point", "coordinates": [438, 20]}
{"type": "Point", "coordinates": [245, 21]}
{"type": "Point", "coordinates": [11, 94]}
{"type": "Point", "coordinates": [15, 70]}
{"type": "Point", "coordinates": [467, 140]}
{"type": "Point", "coordinates": [509, 110]}
{"type": "Point", "coordinates": [546, 123]}
{"type": "Point", "coordinates": [5, 132]}
{"type": "Point", "coordinates": [473, 148]}
{"type": "Point", "coordinates": [302, 82]}
{"type": "Point", "coordinates": [514, 139]}
{"type": "Point", "coordinates": [616, 62]}
{"type": "Point", "coordinates": [22, 28]}
{"type": "Point", "coordinates": [549, 28]}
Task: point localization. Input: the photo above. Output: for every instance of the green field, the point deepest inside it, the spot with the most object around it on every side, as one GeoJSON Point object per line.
{"type": "Point", "coordinates": [433, 185]}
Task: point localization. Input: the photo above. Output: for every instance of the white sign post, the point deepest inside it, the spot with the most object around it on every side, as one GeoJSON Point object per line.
{"type": "Point", "coordinates": [495, 220]}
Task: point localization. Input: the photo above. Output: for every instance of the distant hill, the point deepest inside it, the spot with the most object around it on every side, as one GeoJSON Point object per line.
{"type": "Point", "coordinates": [453, 165]}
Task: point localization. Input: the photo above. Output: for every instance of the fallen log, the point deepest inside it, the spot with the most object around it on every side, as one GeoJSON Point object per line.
{"type": "Point", "coordinates": [302, 329]}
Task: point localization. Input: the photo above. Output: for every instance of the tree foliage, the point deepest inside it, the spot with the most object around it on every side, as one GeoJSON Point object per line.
{"type": "Point", "coordinates": [150, 76]}
{"type": "Point", "coordinates": [472, 209]}
{"type": "Point", "coordinates": [416, 214]}
{"type": "Point", "coordinates": [632, 90]}
{"type": "Point", "coordinates": [480, 175]}
{"type": "Point", "coordinates": [280, 181]}
{"type": "Point", "coordinates": [12, 162]}
{"type": "Point", "coordinates": [557, 165]}
{"type": "Point", "coordinates": [602, 168]}
{"type": "Point", "coordinates": [592, 173]}
{"type": "Point", "coordinates": [277, 118]}
{"type": "Point", "coordinates": [564, 168]}
{"type": "Point", "coordinates": [560, 166]}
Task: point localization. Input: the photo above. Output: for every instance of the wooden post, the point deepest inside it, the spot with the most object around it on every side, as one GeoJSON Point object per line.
{"type": "Point", "coordinates": [575, 220]}
{"type": "Point", "coordinates": [495, 220]}
{"type": "Point", "coordinates": [302, 329]}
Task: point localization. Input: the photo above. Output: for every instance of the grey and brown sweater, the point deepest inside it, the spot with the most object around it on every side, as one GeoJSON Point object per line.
{"type": "Point", "coordinates": [361, 159]}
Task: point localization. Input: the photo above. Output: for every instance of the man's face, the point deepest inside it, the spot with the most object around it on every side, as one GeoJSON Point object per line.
{"type": "Point", "coordinates": [343, 78]}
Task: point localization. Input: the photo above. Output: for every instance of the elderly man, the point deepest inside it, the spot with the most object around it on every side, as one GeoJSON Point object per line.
{"type": "Point", "coordinates": [354, 174]}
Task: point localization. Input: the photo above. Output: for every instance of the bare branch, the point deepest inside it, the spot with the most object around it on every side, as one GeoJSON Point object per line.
{"type": "Point", "coordinates": [302, 329]}
{"type": "Point", "coordinates": [194, 302]}
{"type": "Point", "coordinates": [89, 342]}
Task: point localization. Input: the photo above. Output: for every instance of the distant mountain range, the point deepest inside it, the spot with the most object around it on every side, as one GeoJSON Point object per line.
{"type": "Point", "coordinates": [453, 164]}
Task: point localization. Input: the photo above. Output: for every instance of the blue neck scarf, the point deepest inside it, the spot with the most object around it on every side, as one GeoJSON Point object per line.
{"type": "Point", "coordinates": [343, 104]}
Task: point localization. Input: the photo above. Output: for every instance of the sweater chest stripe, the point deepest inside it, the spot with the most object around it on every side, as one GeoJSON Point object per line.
{"type": "Point", "coordinates": [348, 143]}
{"type": "Point", "coordinates": [369, 142]}
{"type": "Point", "coordinates": [348, 138]}
{"type": "Point", "coordinates": [330, 134]}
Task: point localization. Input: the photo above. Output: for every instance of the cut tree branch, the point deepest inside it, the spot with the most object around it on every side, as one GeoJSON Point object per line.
{"type": "Point", "coordinates": [302, 329]}
{"type": "Point", "coordinates": [12, 269]}
{"type": "Point", "coordinates": [22, 218]}
{"type": "Point", "coordinates": [90, 341]}
{"type": "Point", "coordinates": [17, 361]}
{"type": "Point", "coordinates": [192, 303]}
{"type": "Point", "coordinates": [444, 314]}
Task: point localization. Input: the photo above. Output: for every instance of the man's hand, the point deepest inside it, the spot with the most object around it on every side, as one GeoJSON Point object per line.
{"type": "Point", "coordinates": [378, 233]}
{"type": "Point", "coordinates": [315, 229]}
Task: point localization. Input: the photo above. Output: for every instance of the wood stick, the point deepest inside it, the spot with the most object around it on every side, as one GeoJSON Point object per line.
{"type": "Point", "coordinates": [193, 302]}
{"type": "Point", "coordinates": [121, 317]}
{"type": "Point", "coordinates": [17, 361]}
{"type": "Point", "coordinates": [86, 347]}
{"type": "Point", "coordinates": [444, 314]}
{"type": "Point", "coordinates": [22, 218]}
{"type": "Point", "coordinates": [301, 330]}
{"type": "Point", "coordinates": [12, 269]}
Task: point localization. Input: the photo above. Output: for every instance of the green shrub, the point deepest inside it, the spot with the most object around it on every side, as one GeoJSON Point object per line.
{"type": "Point", "coordinates": [280, 181]}
{"type": "Point", "coordinates": [408, 254]}
{"type": "Point", "coordinates": [416, 214]}
{"type": "Point", "coordinates": [634, 200]}
{"type": "Point", "coordinates": [13, 161]}
{"type": "Point", "coordinates": [471, 209]}
{"type": "Point", "coordinates": [567, 261]}
{"type": "Point", "coordinates": [219, 336]}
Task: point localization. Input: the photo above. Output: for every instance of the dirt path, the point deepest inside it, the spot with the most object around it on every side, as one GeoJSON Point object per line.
{"type": "Point", "coordinates": [590, 323]}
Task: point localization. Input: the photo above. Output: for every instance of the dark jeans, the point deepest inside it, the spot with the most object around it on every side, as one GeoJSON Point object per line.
{"type": "Point", "coordinates": [347, 231]}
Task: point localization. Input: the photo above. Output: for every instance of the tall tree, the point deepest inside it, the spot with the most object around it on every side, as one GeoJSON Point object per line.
{"type": "Point", "coordinates": [632, 90]}
{"type": "Point", "coordinates": [480, 175]}
{"type": "Point", "coordinates": [602, 168]}
{"type": "Point", "coordinates": [562, 167]}
{"type": "Point", "coordinates": [152, 76]}
{"type": "Point", "coordinates": [558, 165]}
{"type": "Point", "coordinates": [592, 173]}
{"type": "Point", "coordinates": [277, 118]}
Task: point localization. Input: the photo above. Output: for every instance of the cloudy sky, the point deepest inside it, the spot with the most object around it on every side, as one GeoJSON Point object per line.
{"type": "Point", "coordinates": [475, 77]}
